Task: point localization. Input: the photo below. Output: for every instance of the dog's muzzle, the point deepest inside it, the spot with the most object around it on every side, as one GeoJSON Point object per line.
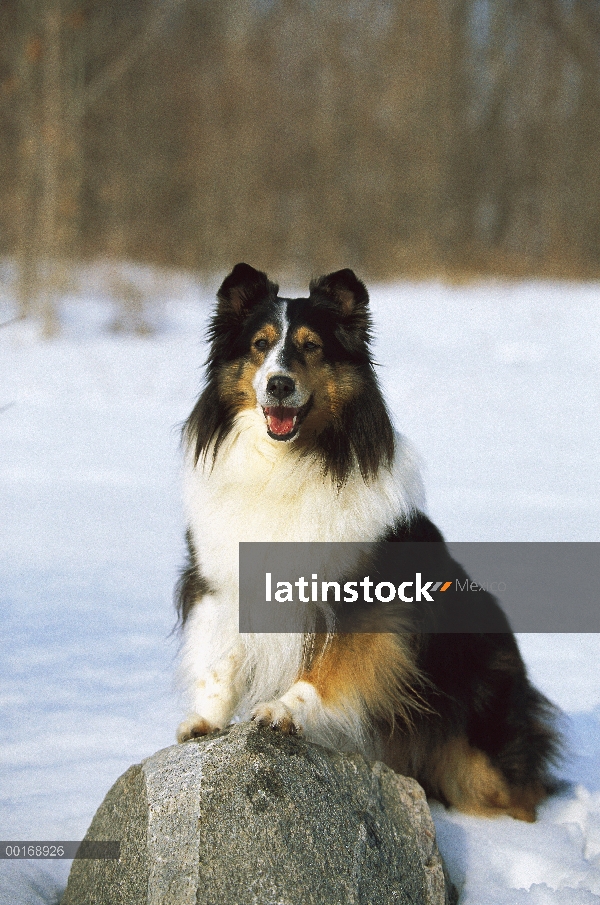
{"type": "Point", "coordinates": [283, 417]}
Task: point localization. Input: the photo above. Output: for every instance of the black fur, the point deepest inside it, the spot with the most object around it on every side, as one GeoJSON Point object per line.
{"type": "Point", "coordinates": [243, 292]}
{"type": "Point", "coordinates": [476, 682]}
{"type": "Point", "coordinates": [192, 586]}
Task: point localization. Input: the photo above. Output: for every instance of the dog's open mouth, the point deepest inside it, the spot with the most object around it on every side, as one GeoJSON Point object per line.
{"type": "Point", "coordinates": [283, 422]}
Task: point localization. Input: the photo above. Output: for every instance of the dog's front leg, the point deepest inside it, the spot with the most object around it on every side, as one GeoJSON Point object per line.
{"type": "Point", "coordinates": [214, 700]}
{"type": "Point", "coordinates": [210, 664]}
{"type": "Point", "coordinates": [356, 680]}
{"type": "Point", "coordinates": [301, 710]}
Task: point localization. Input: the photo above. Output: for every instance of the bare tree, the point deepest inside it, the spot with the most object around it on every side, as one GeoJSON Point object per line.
{"type": "Point", "coordinates": [455, 135]}
{"type": "Point", "coordinates": [55, 101]}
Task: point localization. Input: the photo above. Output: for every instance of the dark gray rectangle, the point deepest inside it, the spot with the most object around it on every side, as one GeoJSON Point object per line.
{"type": "Point", "coordinates": [57, 851]}
{"type": "Point", "coordinates": [419, 587]}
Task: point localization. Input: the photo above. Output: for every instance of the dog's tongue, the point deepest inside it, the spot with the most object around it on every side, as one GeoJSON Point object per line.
{"type": "Point", "coordinates": [280, 420]}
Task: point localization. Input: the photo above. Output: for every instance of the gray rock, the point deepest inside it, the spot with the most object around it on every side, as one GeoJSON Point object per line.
{"type": "Point", "coordinates": [252, 817]}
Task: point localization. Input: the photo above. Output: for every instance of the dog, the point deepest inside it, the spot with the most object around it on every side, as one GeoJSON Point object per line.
{"type": "Point", "coordinates": [291, 440]}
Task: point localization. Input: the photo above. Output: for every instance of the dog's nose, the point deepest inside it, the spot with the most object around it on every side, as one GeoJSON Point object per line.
{"type": "Point", "coordinates": [280, 387]}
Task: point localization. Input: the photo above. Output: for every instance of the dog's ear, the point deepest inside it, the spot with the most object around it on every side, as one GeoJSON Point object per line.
{"type": "Point", "coordinates": [343, 288]}
{"type": "Point", "coordinates": [244, 288]}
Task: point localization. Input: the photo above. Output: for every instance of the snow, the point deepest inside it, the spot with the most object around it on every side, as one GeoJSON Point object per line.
{"type": "Point", "coordinates": [496, 385]}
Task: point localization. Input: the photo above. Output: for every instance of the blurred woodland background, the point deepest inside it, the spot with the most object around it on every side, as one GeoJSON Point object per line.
{"type": "Point", "coordinates": [398, 137]}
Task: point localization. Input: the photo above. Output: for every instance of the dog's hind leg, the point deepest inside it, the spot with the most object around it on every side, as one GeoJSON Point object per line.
{"type": "Point", "coordinates": [489, 743]}
{"type": "Point", "coordinates": [465, 778]}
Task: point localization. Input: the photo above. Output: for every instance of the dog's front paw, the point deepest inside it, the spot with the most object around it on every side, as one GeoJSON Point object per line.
{"type": "Point", "coordinates": [194, 727]}
{"type": "Point", "coordinates": [277, 716]}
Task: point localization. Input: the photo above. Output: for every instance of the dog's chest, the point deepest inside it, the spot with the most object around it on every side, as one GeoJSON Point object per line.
{"type": "Point", "coordinates": [258, 491]}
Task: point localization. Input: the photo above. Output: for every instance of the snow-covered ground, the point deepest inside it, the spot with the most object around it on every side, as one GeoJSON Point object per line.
{"type": "Point", "coordinates": [497, 386]}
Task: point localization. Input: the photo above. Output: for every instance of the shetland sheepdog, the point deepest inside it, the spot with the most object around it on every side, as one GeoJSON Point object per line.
{"type": "Point", "coordinates": [291, 440]}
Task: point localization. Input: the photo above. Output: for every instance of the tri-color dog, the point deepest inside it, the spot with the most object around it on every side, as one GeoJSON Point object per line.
{"type": "Point", "coordinates": [291, 440]}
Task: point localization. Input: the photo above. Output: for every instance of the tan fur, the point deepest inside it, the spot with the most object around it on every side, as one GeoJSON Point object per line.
{"type": "Point", "coordinates": [268, 332]}
{"type": "Point", "coordinates": [373, 672]}
{"type": "Point", "coordinates": [462, 776]}
{"type": "Point", "coordinates": [235, 385]}
{"type": "Point", "coordinates": [305, 335]}
{"type": "Point", "coordinates": [331, 387]}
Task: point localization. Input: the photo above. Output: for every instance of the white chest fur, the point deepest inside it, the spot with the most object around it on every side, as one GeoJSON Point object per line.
{"type": "Point", "coordinates": [261, 490]}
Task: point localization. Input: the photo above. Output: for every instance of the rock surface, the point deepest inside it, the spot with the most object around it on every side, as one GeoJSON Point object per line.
{"type": "Point", "coordinates": [251, 817]}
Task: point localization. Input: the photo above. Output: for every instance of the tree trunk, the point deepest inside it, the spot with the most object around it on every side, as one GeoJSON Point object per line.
{"type": "Point", "coordinates": [50, 168]}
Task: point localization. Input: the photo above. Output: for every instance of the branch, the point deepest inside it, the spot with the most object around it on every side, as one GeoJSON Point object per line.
{"type": "Point", "coordinates": [114, 71]}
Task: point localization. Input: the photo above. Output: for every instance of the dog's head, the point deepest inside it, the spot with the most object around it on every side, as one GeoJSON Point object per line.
{"type": "Point", "coordinates": [301, 363]}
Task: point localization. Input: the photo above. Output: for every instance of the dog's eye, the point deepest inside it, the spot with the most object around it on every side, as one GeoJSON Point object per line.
{"type": "Point", "coordinates": [261, 344]}
{"type": "Point", "coordinates": [310, 346]}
